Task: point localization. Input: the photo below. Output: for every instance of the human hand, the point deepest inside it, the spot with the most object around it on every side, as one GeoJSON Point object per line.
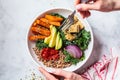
{"type": "Point", "coordinates": [59, 72]}
{"type": "Point", "coordinates": [100, 5]}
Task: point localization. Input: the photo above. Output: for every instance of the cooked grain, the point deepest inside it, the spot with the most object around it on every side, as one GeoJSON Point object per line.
{"type": "Point", "coordinates": [60, 63]}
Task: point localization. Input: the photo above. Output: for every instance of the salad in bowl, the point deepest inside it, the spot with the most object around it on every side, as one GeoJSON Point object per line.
{"type": "Point", "coordinates": [53, 47]}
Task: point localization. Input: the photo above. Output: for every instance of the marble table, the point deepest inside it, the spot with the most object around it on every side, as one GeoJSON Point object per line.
{"type": "Point", "coordinates": [16, 17]}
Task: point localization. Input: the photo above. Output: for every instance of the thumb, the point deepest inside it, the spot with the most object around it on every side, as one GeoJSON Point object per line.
{"type": "Point", "coordinates": [62, 73]}
{"type": "Point", "coordinates": [85, 7]}
{"type": "Point", "coordinates": [67, 75]}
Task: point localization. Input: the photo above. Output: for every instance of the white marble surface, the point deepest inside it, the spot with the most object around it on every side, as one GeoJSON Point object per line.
{"type": "Point", "coordinates": [17, 15]}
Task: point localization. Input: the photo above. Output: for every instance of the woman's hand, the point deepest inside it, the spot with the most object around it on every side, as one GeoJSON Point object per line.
{"type": "Point", "coordinates": [99, 5]}
{"type": "Point", "coordinates": [59, 72]}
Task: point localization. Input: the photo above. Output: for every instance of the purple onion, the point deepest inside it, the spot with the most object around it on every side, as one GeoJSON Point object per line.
{"type": "Point", "coordinates": [74, 51]}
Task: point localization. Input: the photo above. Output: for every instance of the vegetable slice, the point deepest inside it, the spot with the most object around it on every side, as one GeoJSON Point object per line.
{"type": "Point", "coordinates": [58, 41]}
{"type": "Point", "coordinates": [36, 37]}
{"type": "Point", "coordinates": [47, 39]}
{"type": "Point", "coordinates": [50, 22]}
{"type": "Point", "coordinates": [45, 24]}
{"type": "Point", "coordinates": [53, 18]}
{"type": "Point", "coordinates": [74, 51]}
{"type": "Point", "coordinates": [53, 36]}
{"type": "Point", "coordinates": [41, 31]}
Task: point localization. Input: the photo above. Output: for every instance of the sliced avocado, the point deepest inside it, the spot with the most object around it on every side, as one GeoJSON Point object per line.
{"type": "Point", "coordinates": [53, 37]}
{"type": "Point", "coordinates": [60, 43]}
{"type": "Point", "coordinates": [47, 39]}
{"type": "Point", "coordinates": [51, 28]}
{"type": "Point", "coordinates": [57, 40]}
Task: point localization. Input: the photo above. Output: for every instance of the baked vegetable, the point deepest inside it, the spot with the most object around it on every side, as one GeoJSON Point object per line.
{"type": "Point", "coordinates": [50, 22]}
{"type": "Point", "coordinates": [36, 37]}
{"type": "Point", "coordinates": [74, 51]}
{"type": "Point", "coordinates": [45, 24]}
{"type": "Point", "coordinates": [42, 31]}
{"type": "Point", "coordinates": [53, 18]}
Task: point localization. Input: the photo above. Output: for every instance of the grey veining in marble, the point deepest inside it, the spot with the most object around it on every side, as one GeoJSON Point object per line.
{"type": "Point", "coordinates": [17, 15]}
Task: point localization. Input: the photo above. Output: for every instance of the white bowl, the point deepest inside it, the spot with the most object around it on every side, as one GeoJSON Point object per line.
{"type": "Point", "coordinates": [65, 13]}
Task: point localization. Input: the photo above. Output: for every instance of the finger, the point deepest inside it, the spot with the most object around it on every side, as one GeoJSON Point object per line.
{"type": "Point", "coordinates": [66, 79]}
{"type": "Point", "coordinates": [88, 13]}
{"type": "Point", "coordinates": [82, 1]}
{"type": "Point", "coordinates": [89, 1]}
{"type": "Point", "coordinates": [57, 76]}
{"type": "Point", "coordinates": [84, 14]}
{"type": "Point", "coordinates": [63, 73]}
{"type": "Point", "coordinates": [77, 2]}
{"type": "Point", "coordinates": [46, 74]}
{"type": "Point", "coordinates": [86, 7]}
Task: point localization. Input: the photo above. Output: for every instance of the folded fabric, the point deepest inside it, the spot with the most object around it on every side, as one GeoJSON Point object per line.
{"type": "Point", "coordinates": [108, 68]}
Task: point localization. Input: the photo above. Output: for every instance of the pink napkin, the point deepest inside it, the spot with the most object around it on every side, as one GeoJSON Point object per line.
{"type": "Point", "coordinates": [108, 68]}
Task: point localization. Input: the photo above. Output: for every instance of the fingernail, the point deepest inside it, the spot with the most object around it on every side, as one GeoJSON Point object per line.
{"type": "Point", "coordinates": [78, 7]}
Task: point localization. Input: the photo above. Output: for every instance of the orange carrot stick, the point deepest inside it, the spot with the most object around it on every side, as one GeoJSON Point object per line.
{"type": "Point", "coordinates": [50, 22]}
{"type": "Point", "coordinates": [44, 24]}
{"type": "Point", "coordinates": [44, 20]}
{"type": "Point", "coordinates": [41, 31]}
{"type": "Point", "coordinates": [36, 37]}
{"type": "Point", "coordinates": [53, 18]}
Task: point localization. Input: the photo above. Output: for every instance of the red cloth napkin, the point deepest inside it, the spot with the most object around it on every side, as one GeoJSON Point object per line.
{"type": "Point", "coordinates": [108, 68]}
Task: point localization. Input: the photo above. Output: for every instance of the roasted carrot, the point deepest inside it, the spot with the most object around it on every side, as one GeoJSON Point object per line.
{"type": "Point", "coordinates": [36, 37]}
{"type": "Point", "coordinates": [34, 24]}
{"type": "Point", "coordinates": [55, 23]}
{"type": "Point", "coordinates": [45, 24]}
{"type": "Point", "coordinates": [41, 31]}
{"type": "Point", "coordinates": [53, 18]}
{"type": "Point", "coordinates": [35, 33]}
{"type": "Point", "coordinates": [50, 22]}
{"type": "Point", "coordinates": [44, 20]}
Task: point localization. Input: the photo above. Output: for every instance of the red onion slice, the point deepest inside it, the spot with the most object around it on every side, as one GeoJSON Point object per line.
{"type": "Point", "coordinates": [74, 51]}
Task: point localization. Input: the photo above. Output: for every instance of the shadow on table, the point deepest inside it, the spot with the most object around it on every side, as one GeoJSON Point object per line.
{"type": "Point", "coordinates": [95, 56]}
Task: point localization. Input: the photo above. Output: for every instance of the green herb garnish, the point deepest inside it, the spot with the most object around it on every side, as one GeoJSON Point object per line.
{"type": "Point", "coordinates": [83, 39]}
{"type": "Point", "coordinates": [71, 59]}
{"type": "Point", "coordinates": [40, 44]}
{"type": "Point", "coordinates": [58, 15]}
